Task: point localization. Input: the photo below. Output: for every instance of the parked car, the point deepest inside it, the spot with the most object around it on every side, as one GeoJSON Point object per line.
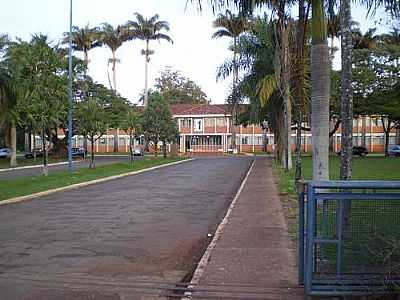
{"type": "Point", "coordinates": [29, 154]}
{"type": "Point", "coordinates": [80, 152]}
{"type": "Point", "coordinates": [394, 151]}
{"type": "Point", "coordinates": [357, 150]}
{"type": "Point", "coordinates": [138, 151]}
{"type": "Point", "coordinates": [5, 152]}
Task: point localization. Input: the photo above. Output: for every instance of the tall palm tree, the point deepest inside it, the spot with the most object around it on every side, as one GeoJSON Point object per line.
{"type": "Point", "coordinates": [148, 30]}
{"type": "Point", "coordinates": [84, 39]}
{"type": "Point", "coordinates": [113, 38]}
{"type": "Point", "coordinates": [232, 26]}
{"type": "Point", "coordinates": [346, 106]}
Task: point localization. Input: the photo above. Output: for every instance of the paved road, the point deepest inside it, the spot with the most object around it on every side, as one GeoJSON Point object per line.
{"type": "Point", "coordinates": [107, 240]}
{"type": "Point", "coordinates": [100, 160]}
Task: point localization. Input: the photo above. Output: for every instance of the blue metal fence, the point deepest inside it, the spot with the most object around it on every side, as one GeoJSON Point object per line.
{"type": "Point", "coordinates": [349, 237]}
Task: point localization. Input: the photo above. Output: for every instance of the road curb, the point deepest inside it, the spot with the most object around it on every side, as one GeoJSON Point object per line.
{"type": "Point", "coordinates": [86, 183]}
{"type": "Point", "coordinates": [198, 273]}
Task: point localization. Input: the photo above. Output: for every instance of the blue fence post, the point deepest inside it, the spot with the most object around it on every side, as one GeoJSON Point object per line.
{"type": "Point", "coordinates": [309, 259]}
{"type": "Point", "coordinates": [301, 258]}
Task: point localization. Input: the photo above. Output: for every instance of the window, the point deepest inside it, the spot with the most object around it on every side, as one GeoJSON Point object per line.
{"type": "Point", "coordinates": [186, 122]}
{"type": "Point", "coordinates": [102, 141]}
{"type": "Point", "coordinates": [245, 140]}
{"type": "Point", "coordinates": [209, 122]}
{"type": "Point", "coordinates": [221, 122]}
{"type": "Point", "coordinates": [198, 125]}
{"type": "Point", "coordinates": [122, 141]}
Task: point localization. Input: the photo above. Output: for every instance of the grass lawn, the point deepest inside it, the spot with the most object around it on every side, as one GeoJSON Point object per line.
{"type": "Point", "coordinates": [5, 162]}
{"type": "Point", "coordinates": [368, 168]}
{"type": "Point", "coordinates": [29, 185]}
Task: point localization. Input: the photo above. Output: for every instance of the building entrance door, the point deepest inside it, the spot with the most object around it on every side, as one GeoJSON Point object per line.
{"type": "Point", "coordinates": [187, 145]}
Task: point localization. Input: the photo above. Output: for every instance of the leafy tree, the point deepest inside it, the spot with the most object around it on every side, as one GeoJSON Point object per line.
{"type": "Point", "coordinates": [158, 124]}
{"type": "Point", "coordinates": [114, 105]}
{"type": "Point", "coordinates": [132, 125]}
{"type": "Point", "coordinates": [178, 89]}
{"type": "Point", "coordinates": [376, 85]}
{"type": "Point", "coordinates": [8, 114]}
{"type": "Point", "coordinates": [148, 30]}
{"type": "Point", "coordinates": [113, 38]}
{"type": "Point", "coordinates": [92, 122]}
{"type": "Point", "coordinates": [37, 70]}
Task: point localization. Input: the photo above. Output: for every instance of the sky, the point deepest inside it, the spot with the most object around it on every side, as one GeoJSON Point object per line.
{"type": "Point", "coordinates": [193, 52]}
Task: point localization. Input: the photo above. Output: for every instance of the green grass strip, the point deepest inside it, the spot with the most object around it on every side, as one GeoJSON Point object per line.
{"type": "Point", "coordinates": [30, 185]}
{"type": "Point", "coordinates": [364, 168]}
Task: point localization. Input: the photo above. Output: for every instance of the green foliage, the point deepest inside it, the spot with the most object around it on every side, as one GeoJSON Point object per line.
{"type": "Point", "coordinates": [39, 81]}
{"type": "Point", "coordinates": [114, 105]}
{"type": "Point", "coordinates": [92, 118]}
{"type": "Point", "coordinates": [157, 122]}
{"type": "Point", "coordinates": [178, 89]}
{"type": "Point", "coordinates": [148, 29]}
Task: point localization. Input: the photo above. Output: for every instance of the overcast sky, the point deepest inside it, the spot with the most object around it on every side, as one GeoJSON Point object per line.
{"type": "Point", "coordinates": [193, 52]}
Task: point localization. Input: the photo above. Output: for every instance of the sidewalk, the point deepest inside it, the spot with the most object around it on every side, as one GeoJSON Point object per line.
{"type": "Point", "coordinates": [251, 258]}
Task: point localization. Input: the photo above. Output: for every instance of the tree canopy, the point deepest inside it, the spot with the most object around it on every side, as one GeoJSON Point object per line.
{"type": "Point", "coordinates": [178, 89]}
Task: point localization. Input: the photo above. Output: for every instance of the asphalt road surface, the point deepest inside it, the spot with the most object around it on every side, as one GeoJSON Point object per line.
{"type": "Point", "coordinates": [119, 240]}
{"type": "Point", "coordinates": [100, 160]}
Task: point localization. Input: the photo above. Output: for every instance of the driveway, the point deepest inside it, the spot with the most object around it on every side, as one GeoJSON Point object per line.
{"type": "Point", "coordinates": [116, 240]}
{"type": "Point", "coordinates": [34, 171]}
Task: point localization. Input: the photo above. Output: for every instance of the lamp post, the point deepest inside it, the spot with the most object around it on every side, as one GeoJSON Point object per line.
{"type": "Point", "coordinates": [70, 167]}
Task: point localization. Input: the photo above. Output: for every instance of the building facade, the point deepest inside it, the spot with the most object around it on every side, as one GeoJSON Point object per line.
{"type": "Point", "coordinates": [207, 129]}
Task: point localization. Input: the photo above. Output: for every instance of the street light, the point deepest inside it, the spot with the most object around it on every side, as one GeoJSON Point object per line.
{"type": "Point", "coordinates": [70, 167]}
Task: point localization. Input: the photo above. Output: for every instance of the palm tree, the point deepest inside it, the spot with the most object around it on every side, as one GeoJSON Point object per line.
{"type": "Point", "coordinates": [231, 26]}
{"type": "Point", "coordinates": [113, 38]}
{"type": "Point", "coordinates": [368, 40]}
{"type": "Point", "coordinates": [147, 30]}
{"type": "Point", "coordinates": [346, 106]}
{"type": "Point", "coordinates": [84, 39]}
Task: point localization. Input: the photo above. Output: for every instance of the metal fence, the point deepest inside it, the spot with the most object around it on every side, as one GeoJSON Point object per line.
{"type": "Point", "coordinates": [349, 237]}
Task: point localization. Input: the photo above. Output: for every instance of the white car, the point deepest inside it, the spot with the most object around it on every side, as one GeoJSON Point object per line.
{"type": "Point", "coordinates": [5, 152]}
{"type": "Point", "coordinates": [138, 151]}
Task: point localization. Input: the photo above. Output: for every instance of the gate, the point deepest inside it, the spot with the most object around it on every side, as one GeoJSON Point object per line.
{"type": "Point", "coordinates": [349, 237]}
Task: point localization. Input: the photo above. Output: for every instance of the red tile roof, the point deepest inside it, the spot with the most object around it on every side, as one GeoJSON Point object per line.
{"type": "Point", "coordinates": [199, 109]}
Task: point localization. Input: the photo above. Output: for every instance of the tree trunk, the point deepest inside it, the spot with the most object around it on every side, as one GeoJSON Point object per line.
{"type": "Point", "coordinates": [44, 149]}
{"type": "Point", "coordinates": [386, 128]}
{"type": "Point", "coordinates": [156, 147]}
{"type": "Point", "coordinates": [91, 165]}
{"type": "Point", "coordinates": [286, 96]}
{"type": "Point", "coordinates": [320, 93]}
{"type": "Point", "coordinates": [234, 94]}
{"type": "Point", "coordinates": [85, 143]}
{"type": "Point", "coordinates": [131, 148]}
{"type": "Point", "coordinates": [300, 83]}
{"type": "Point", "coordinates": [164, 149]}
{"type": "Point", "coordinates": [13, 144]}
{"type": "Point", "coordinates": [115, 146]}
{"type": "Point", "coordinates": [146, 71]}
{"type": "Point", "coordinates": [114, 62]}
{"type": "Point", "coordinates": [347, 91]}
{"type": "Point", "coordinates": [298, 150]}
{"type": "Point", "coordinates": [34, 145]}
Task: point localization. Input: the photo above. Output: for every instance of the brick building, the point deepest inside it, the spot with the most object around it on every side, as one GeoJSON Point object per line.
{"type": "Point", "coordinates": [206, 129]}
